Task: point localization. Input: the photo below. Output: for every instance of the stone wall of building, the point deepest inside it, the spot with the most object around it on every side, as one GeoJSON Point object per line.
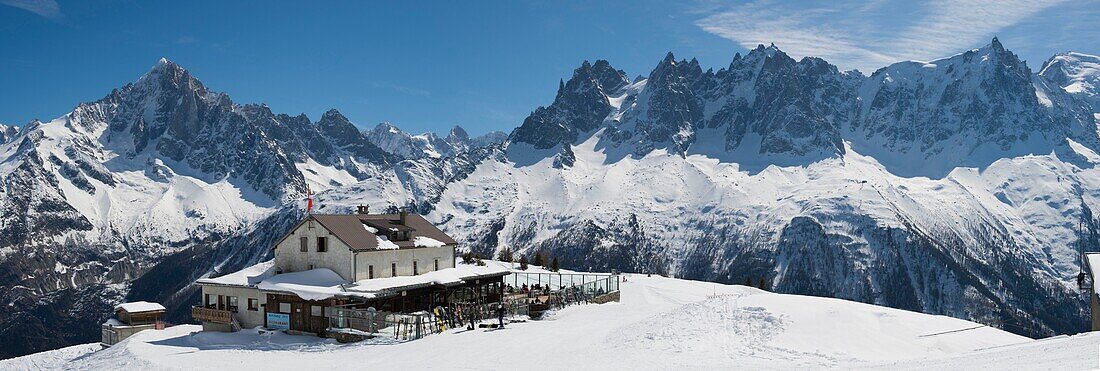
{"type": "Point", "coordinates": [381, 260]}
{"type": "Point", "coordinates": [337, 257]}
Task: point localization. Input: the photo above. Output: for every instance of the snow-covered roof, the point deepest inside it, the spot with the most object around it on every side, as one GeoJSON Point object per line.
{"type": "Point", "coordinates": [360, 232]}
{"type": "Point", "coordinates": [139, 306]}
{"type": "Point", "coordinates": [322, 283]}
{"type": "Point", "coordinates": [314, 284]}
{"type": "Point", "coordinates": [1092, 260]}
{"type": "Point", "coordinates": [424, 241]}
{"type": "Point", "coordinates": [446, 277]}
{"type": "Point", "coordinates": [114, 322]}
{"type": "Point", "coordinates": [245, 277]}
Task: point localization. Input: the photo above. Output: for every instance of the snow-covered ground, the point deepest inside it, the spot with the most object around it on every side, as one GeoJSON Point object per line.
{"type": "Point", "coordinates": [661, 323]}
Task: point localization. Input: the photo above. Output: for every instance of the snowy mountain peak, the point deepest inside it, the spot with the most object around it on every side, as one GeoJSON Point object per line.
{"type": "Point", "coordinates": [457, 133]}
{"type": "Point", "coordinates": [769, 50]}
{"type": "Point", "coordinates": [427, 145]}
{"type": "Point", "coordinates": [1077, 74]}
{"type": "Point", "coordinates": [333, 115]}
{"type": "Point", "coordinates": [669, 58]}
{"type": "Point", "coordinates": [168, 74]}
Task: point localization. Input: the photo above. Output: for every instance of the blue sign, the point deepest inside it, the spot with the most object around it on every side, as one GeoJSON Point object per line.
{"type": "Point", "coordinates": [278, 321]}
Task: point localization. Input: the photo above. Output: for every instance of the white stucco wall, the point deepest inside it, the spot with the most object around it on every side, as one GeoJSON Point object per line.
{"type": "Point", "coordinates": [353, 266]}
{"type": "Point", "coordinates": [246, 318]}
{"type": "Point", "coordinates": [381, 260]}
{"type": "Point", "coordinates": [338, 258]}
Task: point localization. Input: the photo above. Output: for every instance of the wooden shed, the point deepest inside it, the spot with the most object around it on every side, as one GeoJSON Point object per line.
{"type": "Point", "coordinates": [131, 318]}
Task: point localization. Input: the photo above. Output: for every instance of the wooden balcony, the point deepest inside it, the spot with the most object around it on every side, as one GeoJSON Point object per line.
{"type": "Point", "coordinates": [211, 315]}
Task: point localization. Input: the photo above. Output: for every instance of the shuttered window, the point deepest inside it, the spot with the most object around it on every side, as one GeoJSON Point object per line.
{"type": "Point", "coordinates": [322, 244]}
{"type": "Point", "coordinates": [304, 241]}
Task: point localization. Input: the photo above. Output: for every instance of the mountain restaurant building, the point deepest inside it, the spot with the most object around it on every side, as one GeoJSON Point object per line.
{"type": "Point", "coordinates": [388, 262]}
{"type": "Point", "coordinates": [1092, 267]}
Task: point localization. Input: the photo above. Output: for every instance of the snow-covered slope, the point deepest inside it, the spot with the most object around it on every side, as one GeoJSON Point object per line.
{"type": "Point", "coordinates": [1077, 74]}
{"type": "Point", "coordinates": [660, 323]}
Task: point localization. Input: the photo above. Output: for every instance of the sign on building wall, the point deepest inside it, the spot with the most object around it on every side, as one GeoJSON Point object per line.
{"type": "Point", "coordinates": [278, 321]}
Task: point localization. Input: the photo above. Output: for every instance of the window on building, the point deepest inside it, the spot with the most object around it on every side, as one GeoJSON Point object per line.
{"type": "Point", "coordinates": [211, 301]}
{"type": "Point", "coordinates": [315, 310]}
{"type": "Point", "coordinates": [322, 244]}
{"type": "Point", "coordinates": [304, 244]}
{"type": "Point", "coordinates": [253, 304]}
{"type": "Point", "coordinates": [415, 270]}
{"type": "Point", "coordinates": [436, 263]}
{"type": "Point", "coordinates": [284, 307]}
{"type": "Point", "coordinates": [370, 271]}
{"type": "Point", "coordinates": [232, 304]}
{"type": "Point", "coordinates": [393, 269]}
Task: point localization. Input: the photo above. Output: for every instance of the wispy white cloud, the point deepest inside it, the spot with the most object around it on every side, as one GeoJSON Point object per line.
{"type": "Point", "coordinates": [869, 35]}
{"type": "Point", "coordinates": [45, 8]}
{"type": "Point", "coordinates": [402, 89]}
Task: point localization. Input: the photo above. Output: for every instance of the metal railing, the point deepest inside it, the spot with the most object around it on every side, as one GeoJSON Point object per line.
{"type": "Point", "coordinates": [412, 326]}
{"type": "Point", "coordinates": [584, 289]}
{"type": "Point", "coordinates": [557, 280]}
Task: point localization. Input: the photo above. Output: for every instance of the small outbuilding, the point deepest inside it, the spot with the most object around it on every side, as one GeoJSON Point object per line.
{"type": "Point", "coordinates": [131, 318]}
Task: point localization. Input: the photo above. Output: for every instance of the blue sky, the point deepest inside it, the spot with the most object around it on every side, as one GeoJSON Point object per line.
{"type": "Point", "coordinates": [482, 65]}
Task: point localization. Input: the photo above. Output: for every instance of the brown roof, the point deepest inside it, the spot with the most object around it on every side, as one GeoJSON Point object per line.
{"type": "Point", "coordinates": [349, 228]}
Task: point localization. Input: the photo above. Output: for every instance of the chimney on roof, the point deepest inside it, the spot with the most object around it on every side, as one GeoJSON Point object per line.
{"type": "Point", "coordinates": [403, 214]}
{"type": "Point", "coordinates": [362, 210]}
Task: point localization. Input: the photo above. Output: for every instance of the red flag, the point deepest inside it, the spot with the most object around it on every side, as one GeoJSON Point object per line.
{"type": "Point", "coordinates": [309, 200]}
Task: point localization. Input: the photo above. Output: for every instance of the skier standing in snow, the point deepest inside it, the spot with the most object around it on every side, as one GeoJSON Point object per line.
{"type": "Point", "coordinates": [500, 314]}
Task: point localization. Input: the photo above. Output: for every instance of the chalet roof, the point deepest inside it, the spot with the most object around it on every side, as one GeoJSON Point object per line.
{"type": "Point", "coordinates": [1092, 263]}
{"type": "Point", "coordinates": [365, 231]}
{"type": "Point", "coordinates": [245, 277]}
{"type": "Point", "coordinates": [139, 306]}
{"type": "Point", "coordinates": [323, 283]}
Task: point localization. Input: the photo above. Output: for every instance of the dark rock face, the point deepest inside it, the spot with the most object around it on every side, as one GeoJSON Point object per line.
{"type": "Point", "coordinates": [984, 95]}
{"type": "Point", "coordinates": [675, 111]}
{"type": "Point", "coordinates": [191, 124]}
{"type": "Point", "coordinates": [798, 107]}
{"type": "Point", "coordinates": [58, 319]}
{"type": "Point", "coordinates": [580, 107]}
